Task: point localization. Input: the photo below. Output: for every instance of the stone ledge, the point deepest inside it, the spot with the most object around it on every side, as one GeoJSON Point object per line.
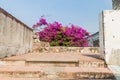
{"type": "Point", "coordinates": [56, 62]}
{"type": "Point", "coordinates": [57, 59]}
{"type": "Point", "coordinates": [55, 72]}
{"type": "Point", "coordinates": [62, 60]}
{"type": "Point", "coordinates": [85, 79]}
{"type": "Point", "coordinates": [13, 78]}
{"type": "Point", "coordinates": [79, 73]}
{"type": "Point", "coordinates": [59, 49]}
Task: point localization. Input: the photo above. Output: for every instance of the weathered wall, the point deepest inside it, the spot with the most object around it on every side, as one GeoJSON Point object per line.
{"type": "Point", "coordinates": [116, 4]}
{"type": "Point", "coordinates": [43, 47]}
{"type": "Point", "coordinates": [58, 49]}
{"type": "Point", "coordinates": [110, 36]}
{"type": "Point", "coordinates": [15, 36]}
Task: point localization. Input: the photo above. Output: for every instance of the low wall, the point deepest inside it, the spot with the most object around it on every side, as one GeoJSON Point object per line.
{"type": "Point", "coordinates": [71, 49]}
{"type": "Point", "coordinates": [40, 46]}
{"type": "Point", "coordinates": [15, 37]}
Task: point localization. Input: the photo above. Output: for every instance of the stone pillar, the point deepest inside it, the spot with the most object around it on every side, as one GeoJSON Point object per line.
{"type": "Point", "coordinates": [110, 36]}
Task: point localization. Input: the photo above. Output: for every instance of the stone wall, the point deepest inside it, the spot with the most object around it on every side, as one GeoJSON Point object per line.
{"type": "Point", "coordinates": [15, 36]}
{"type": "Point", "coordinates": [61, 49]}
{"type": "Point", "coordinates": [74, 49]}
{"type": "Point", "coordinates": [116, 4]}
{"type": "Point", "coordinates": [40, 46]}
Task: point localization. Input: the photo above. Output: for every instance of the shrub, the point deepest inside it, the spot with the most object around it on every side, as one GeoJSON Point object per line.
{"type": "Point", "coordinates": [57, 35]}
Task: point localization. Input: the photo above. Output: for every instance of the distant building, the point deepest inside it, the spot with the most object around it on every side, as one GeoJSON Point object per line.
{"type": "Point", "coordinates": [116, 4]}
{"type": "Point", "coordinates": [93, 40]}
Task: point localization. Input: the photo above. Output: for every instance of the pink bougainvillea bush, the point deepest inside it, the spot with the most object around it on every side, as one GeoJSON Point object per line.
{"type": "Point", "coordinates": [58, 35]}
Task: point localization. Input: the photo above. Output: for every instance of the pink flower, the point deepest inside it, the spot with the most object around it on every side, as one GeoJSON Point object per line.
{"type": "Point", "coordinates": [43, 21]}
{"type": "Point", "coordinates": [58, 35]}
{"type": "Point", "coordinates": [34, 26]}
{"type": "Point", "coordinates": [56, 24]}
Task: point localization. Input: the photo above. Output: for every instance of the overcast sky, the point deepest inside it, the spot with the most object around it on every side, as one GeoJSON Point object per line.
{"type": "Point", "coordinates": [84, 13]}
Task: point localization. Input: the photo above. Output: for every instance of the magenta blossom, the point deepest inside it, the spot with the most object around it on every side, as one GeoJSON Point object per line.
{"type": "Point", "coordinates": [58, 35]}
{"type": "Point", "coordinates": [34, 26]}
{"type": "Point", "coordinates": [43, 21]}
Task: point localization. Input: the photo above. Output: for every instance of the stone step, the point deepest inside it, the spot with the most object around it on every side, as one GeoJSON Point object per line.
{"type": "Point", "coordinates": [13, 62]}
{"type": "Point", "coordinates": [13, 78]}
{"type": "Point", "coordinates": [55, 72]}
{"type": "Point", "coordinates": [64, 62]}
{"type": "Point", "coordinates": [92, 64]}
{"type": "Point", "coordinates": [57, 62]}
{"type": "Point", "coordinates": [20, 71]}
{"type": "Point", "coordinates": [56, 59]}
{"type": "Point", "coordinates": [79, 73]}
{"type": "Point", "coordinates": [86, 79]}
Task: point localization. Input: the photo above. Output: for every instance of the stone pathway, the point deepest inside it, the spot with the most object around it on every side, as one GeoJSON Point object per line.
{"type": "Point", "coordinates": [55, 66]}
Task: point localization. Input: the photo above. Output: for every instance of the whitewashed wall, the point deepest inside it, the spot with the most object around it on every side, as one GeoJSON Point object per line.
{"type": "Point", "coordinates": [15, 36]}
{"type": "Point", "coordinates": [110, 36]}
